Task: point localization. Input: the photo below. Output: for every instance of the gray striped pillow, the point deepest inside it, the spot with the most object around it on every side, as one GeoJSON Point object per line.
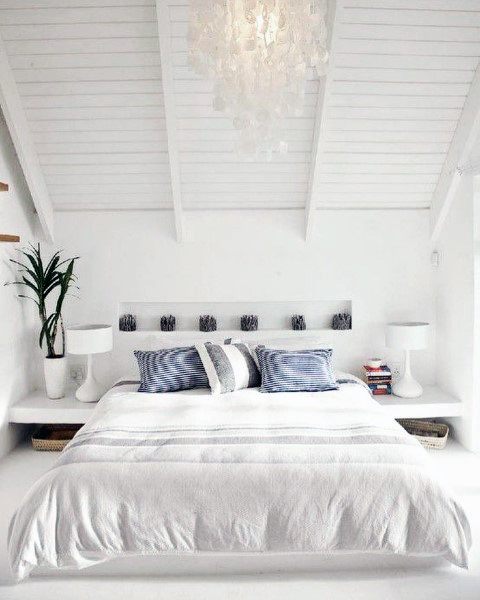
{"type": "Point", "coordinates": [229, 367]}
{"type": "Point", "coordinates": [296, 370]}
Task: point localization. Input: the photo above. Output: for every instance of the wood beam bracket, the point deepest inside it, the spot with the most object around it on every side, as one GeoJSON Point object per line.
{"type": "Point", "coordinates": [320, 121]}
{"type": "Point", "coordinates": [463, 142]}
{"type": "Point", "coordinates": [23, 142]}
{"type": "Point", "coordinates": [165, 40]}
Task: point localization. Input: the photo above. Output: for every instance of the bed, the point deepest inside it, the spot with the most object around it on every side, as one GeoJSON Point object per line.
{"type": "Point", "coordinates": [194, 474]}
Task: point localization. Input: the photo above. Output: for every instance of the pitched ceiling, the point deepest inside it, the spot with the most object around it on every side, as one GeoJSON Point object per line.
{"type": "Point", "coordinates": [401, 71]}
{"type": "Point", "coordinates": [89, 76]}
{"type": "Point", "coordinates": [89, 80]}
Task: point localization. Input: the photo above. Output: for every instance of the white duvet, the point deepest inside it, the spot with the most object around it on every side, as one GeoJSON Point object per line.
{"type": "Point", "coordinates": [189, 472]}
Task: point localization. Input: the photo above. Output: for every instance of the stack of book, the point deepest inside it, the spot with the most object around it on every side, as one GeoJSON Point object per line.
{"type": "Point", "coordinates": [378, 380]}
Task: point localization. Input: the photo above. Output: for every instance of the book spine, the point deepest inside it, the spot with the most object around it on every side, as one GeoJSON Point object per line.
{"type": "Point", "coordinates": [378, 374]}
{"type": "Point", "coordinates": [381, 392]}
{"type": "Point", "coordinates": [379, 386]}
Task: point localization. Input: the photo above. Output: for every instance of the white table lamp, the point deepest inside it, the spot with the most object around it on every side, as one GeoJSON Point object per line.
{"type": "Point", "coordinates": [407, 336]}
{"type": "Point", "coordinates": [89, 339]}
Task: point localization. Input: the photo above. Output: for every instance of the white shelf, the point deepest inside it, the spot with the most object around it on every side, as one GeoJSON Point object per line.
{"type": "Point", "coordinates": [238, 333]}
{"type": "Point", "coordinates": [37, 408]}
{"type": "Point", "coordinates": [434, 402]}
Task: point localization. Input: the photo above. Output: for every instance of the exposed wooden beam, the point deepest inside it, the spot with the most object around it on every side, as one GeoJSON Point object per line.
{"type": "Point", "coordinates": [5, 237]}
{"type": "Point", "coordinates": [334, 9]}
{"type": "Point", "coordinates": [463, 142]}
{"type": "Point", "coordinates": [22, 140]}
{"type": "Point", "coordinates": [165, 39]}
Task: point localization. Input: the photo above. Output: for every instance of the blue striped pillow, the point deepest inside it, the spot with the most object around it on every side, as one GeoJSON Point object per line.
{"type": "Point", "coordinates": [170, 370]}
{"type": "Point", "coordinates": [296, 370]}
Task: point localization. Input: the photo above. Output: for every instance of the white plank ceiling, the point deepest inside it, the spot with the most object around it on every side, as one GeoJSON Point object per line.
{"type": "Point", "coordinates": [89, 76]}
{"type": "Point", "coordinates": [401, 73]}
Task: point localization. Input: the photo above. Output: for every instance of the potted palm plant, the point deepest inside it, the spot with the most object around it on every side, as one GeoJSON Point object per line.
{"type": "Point", "coordinates": [42, 281]}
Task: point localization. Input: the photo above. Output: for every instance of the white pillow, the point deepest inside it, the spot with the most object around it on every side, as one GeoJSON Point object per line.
{"type": "Point", "coordinates": [344, 375]}
{"type": "Point", "coordinates": [229, 367]}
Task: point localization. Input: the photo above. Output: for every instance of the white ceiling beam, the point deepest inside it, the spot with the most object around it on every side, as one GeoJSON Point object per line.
{"type": "Point", "coordinates": [165, 39]}
{"type": "Point", "coordinates": [463, 142]}
{"type": "Point", "coordinates": [320, 120]}
{"type": "Point", "coordinates": [23, 142]}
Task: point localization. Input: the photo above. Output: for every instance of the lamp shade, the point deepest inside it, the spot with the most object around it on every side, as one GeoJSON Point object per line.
{"type": "Point", "coordinates": [89, 339]}
{"type": "Point", "coordinates": [407, 336]}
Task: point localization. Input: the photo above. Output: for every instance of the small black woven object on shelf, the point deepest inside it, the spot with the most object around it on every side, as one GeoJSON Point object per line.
{"type": "Point", "coordinates": [298, 323]}
{"type": "Point", "coordinates": [342, 321]}
{"type": "Point", "coordinates": [207, 323]}
{"type": "Point", "coordinates": [127, 323]}
{"type": "Point", "coordinates": [249, 323]}
{"type": "Point", "coordinates": [168, 323]}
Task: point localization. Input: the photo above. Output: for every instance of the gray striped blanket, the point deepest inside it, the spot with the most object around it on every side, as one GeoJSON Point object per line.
{"type": "Point", "coordinates": [190, 472]}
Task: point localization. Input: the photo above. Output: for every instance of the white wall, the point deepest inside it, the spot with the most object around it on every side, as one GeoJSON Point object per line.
{"type": "Point", "coordinates": [378, 259]}
{"type": "Point", "coordinates": [18, 343]}
{"type": "Point", "coordinates": [455, 298]}
{"type": "Point", "coordinates": [475, 401]}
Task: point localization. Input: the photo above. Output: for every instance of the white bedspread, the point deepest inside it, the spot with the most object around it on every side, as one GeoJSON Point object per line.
{"type": "Point", "coordinates": [244, 472]}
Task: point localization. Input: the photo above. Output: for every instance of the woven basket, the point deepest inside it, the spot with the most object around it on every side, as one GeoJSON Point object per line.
{"type": "Point", "coordinates": [429, 434]}
{"type": "Point", "coordinates": [53, 438]}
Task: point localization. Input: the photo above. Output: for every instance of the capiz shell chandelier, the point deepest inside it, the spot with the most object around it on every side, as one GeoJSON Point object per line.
{"type": "Point", "coordinates": [258, 53]}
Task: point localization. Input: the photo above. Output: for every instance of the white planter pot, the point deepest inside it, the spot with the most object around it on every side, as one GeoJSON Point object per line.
{"type": "Point", "coordinates": [55, 370]}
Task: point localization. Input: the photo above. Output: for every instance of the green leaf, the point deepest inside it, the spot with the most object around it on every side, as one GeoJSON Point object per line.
{"type": "Point", "coordinates": [28, 298]}
{"type": "Point", "coordinates": [67, 260]}
{"type": "Point", "coordinates": [35, 262]}
{"type": "Point", "coordinates": [53, 262]}
{"type": "Point", "coordinates": [30, 285]}
{"type": "Point", "coordinates": [47, 330]}
{"type": "Point", "coordinates": [32, 274]}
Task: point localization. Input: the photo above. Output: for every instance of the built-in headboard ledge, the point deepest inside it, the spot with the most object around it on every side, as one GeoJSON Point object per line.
{"type": "Point", "coordinates": [274, 317]}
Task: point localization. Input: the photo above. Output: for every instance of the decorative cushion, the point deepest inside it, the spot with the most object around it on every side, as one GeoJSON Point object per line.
{"type": "Point", "coordinates": [296, 370]}
{"type": "Point", "coordinates": [170, 370]}
{"type": "Point", "coordinates": [229, 367]}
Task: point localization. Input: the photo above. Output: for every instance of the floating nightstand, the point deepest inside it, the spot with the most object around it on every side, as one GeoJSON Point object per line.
{"type": "Point", "coordinates": [38, 408]}
{"type": "Point", "coordinates": [432, 404]}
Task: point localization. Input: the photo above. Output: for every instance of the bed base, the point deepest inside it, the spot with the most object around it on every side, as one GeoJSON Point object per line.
{"type": "Point", "coordinates": [246, 564]}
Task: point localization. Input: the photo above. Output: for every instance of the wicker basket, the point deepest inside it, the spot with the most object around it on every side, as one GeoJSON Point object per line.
{"type": "Point", "coordinates": [53, 438]}
{"type": "Point", "coordinates": [428, 433]}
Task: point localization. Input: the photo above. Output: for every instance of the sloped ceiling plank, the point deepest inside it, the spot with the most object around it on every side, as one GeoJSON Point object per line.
{"type": "Point", "coordinates": [463, 142]}
{"type": "Point", "coordinates": [320, 123]}
{"type": "Point", "coordinates": [24, 146]}
{"type": "Point", "coordinates": [164, 34]}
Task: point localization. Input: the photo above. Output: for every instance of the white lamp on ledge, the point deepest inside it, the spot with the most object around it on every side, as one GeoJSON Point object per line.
{"type": "Point", "coordinates": [407, 336]}
{"type": "Point", "coordinates": [89, 339]}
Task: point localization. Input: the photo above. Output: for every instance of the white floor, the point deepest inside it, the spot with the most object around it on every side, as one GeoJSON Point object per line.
{"type": "Point", "coordinates": [21, 468]}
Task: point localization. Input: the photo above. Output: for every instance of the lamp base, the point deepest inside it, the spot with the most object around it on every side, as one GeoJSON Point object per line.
{"type": "Point", "coordinates": [90, 390]}
{"type": "Point", "coordinates": [407, 387]}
